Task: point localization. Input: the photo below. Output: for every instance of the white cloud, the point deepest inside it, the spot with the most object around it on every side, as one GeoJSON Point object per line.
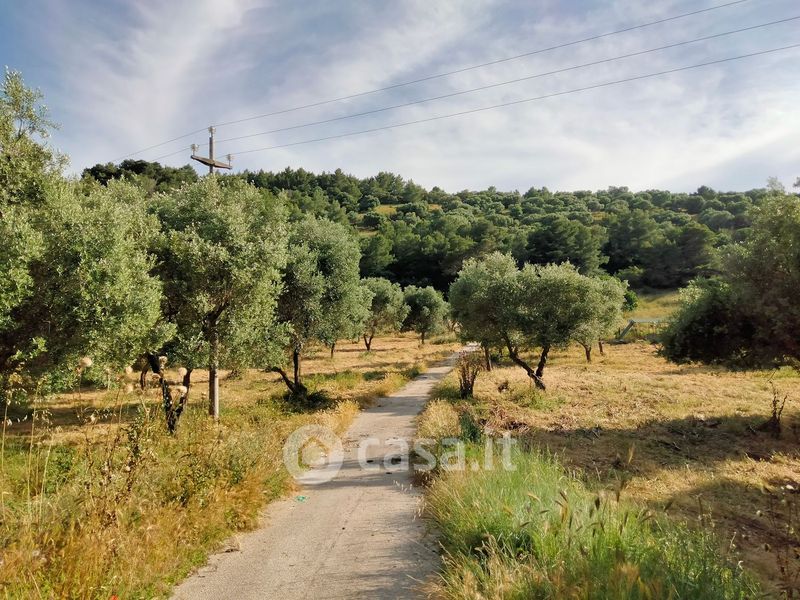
{"type": "Point", "coordinates": [136, 78]}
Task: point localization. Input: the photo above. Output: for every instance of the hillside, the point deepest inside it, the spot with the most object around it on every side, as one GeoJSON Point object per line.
{"type": "Point", "coordinates": [652, 238]}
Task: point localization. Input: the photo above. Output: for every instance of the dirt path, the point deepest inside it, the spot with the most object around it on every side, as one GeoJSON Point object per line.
{"type": "Point", "coordinates": [356, 536]}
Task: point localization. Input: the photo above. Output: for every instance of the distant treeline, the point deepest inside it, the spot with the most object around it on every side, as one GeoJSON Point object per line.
{"type": "Point", "coordinates": [412, 235]}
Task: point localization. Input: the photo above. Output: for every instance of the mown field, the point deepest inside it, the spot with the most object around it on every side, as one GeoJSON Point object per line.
{"type": "Point", "coordinates": [98, 500]}
{"type": "Point", "coordinates": [683, 441]}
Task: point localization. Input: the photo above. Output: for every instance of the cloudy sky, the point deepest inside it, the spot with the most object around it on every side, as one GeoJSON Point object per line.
{"type": "Point", "coordinates": [120, 76]}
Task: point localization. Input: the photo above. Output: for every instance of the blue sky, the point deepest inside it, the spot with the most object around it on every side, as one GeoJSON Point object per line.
{"type": "Point", "coordinates": [120, 76]}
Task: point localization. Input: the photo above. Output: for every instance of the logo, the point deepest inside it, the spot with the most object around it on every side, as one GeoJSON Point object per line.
{"type": "Point", "coordinates": [313, 454]}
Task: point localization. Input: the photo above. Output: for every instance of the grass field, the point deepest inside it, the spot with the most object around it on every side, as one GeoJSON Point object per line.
{"type": "Point", "coordinates": [684, 437]}
{"type": "Point", "coordinates": [98, 500]}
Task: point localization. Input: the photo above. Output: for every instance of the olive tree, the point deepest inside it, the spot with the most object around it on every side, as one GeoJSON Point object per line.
{"type": "Point", "coordinates": [90, 291]}
{"type": "Point", "coordinates": [27, 163]}
{"type": "Point", "coordinates": [533, 308]}
{"type": "Point", "coordinates": [350, 322]}
{"type": "Point", "coordinates": [427, 310]}
{"type": "Point", "coordinates": [473, 300]}
{"type": "Point", "coordinates": [387, 309]}
{"type": "Point", "coordinates": [607, 299]}
{"type": "Point", "coordinates": [321, 292]}
{"type": "Point", "coordinates": [221, 248]}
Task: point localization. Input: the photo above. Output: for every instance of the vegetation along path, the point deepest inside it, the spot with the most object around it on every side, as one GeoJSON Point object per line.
{"type": "Point", "coordinates": [356, 536]}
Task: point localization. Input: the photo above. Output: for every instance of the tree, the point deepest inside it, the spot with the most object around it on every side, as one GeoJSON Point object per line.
{"type": "Point", "coordinates": [151, 176]}
{"type": "Point", "coordinates": [473, 300]}
{"type": "Point", "coordinates": [26, 165]}
{"type": "Point", "coordinates": [709, 326]}
{"type": "Point", "coordinates": [351, 320]}
{"type": "Point", "coordinates": [26, 162]}
{"type": "Point", "coordinates": [321, 287]}
{"type": "Point", "coordinates": [536, 307]}
{"type": "Point", "coordinates": [765, 273]}
{"type": "Point", "coordinates": [608, 297]}
{"type": "Point", "coordinates": [557, 239]}
{"type": "Point", "coordinates": [220, 252]}
{"type": "Point", "coordinates": [376, 255]}
{"type": "Point", "coordinates": [387, 309]}
{"type": "Point", "coordinates": [89, 288]}
{"type": "Point", "coordinates": [553, 306]}
{"type": "Point", "coordinates": [749, 314]}
{"type": "Point", "coordinates": [427, 310]}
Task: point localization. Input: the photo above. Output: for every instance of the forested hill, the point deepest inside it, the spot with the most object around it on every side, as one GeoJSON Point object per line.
{"type": "Point", "coordinates": [412, 235]}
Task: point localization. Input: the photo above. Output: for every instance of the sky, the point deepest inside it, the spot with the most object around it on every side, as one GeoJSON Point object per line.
{"type": "Point", "coordinates": [120, 76]}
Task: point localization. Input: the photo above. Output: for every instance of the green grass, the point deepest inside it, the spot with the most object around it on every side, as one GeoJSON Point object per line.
{"type": "Point", "coordinates": [539, 532]}
{"type": "Point", "coordinates": [655, 305]}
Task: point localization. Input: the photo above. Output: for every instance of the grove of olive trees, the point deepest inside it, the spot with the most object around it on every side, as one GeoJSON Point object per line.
{"type": "Point", "coordinates": [535, 308]}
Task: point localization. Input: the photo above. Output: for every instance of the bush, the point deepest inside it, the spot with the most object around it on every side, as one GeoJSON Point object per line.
{"type": "Point", "coordinates": [468, 365]}
{"type": "Point", "coordinates": [709, 327]}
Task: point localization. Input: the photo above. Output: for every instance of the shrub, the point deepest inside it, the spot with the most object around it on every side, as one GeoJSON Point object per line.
{"type": "Point", "coordinates": [468, 365]}
{"type": "Point", "coordinates": [709, 326]}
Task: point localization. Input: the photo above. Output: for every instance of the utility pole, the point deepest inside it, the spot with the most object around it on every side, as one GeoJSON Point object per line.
{"type": "Point", "coordinates": [209, 160]}
{"type": "Point", "coordinates": [213, 366]}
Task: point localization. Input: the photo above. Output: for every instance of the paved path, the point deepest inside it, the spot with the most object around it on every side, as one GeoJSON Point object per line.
{"type": "Point", "coordinates": [356, 536]}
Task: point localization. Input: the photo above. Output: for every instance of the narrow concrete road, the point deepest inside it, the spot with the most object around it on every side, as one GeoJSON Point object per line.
{"type": "Point", "coordinates": [357, 536]}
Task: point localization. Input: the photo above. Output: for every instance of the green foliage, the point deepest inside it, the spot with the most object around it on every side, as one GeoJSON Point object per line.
{"type": "Point", "coordinates": [427, 310]}
{"type": "Point", "coordinates": [151, 176]}
{"type": "Point", "coordinates": [477, 296]}
{"type": "Point", "coordinates": [538, 532]}
{"type": "Point", "coordinates": [74, 269]}
{"type": "Point", "coordinates": [533, 307]}
{"type": "Point", "coordinates": [652, 238]}
{"type": "Point", "coordinates": [22, 244]}
{"type": "Point", "coordinates": [750, 315]}
{"type": "Point", "coordinates": [322, 298]}
{"type": "Point", "coordinates": [558, 239]}
{"type": "Point", "coordinates": [220, 252]}
{"type": "Point", "coordinates": [26, 163]}
{"type": "Point", "coordinates": [631, 300]}
{"type": "Point", "coordinates": [708, 326]}
{"type": "Point", "coordinates": [606, 298]}
{"type": "Point", "coordinates": [90, 291]}
{"type": "Point", "coordinates": [765, 273]}
{"type": "Point", "coordinates": [387, 308]}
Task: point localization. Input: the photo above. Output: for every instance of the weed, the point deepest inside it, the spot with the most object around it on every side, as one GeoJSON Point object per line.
{"type": "Point", "coordinates": [538, 532]}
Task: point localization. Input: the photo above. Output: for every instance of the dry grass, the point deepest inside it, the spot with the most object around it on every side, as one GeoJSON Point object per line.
{"type": "Point", "coordinates": [438, 421]}
{"type": "Point", "coordinates": [655, 305]}
{"type": "Point", "coordinates": [96, 499]}
{"type": "Point", "coordinates": [690, 431]}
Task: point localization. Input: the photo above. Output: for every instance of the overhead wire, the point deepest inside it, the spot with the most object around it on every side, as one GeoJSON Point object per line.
{"type": "Point", "coordinates": [481, 65]}
{"type": "Point", "coordinates": [522, 101]}
{"type": "Point", "coordinates": [502, 83]}
{"type": "Point", "coordinates": [439, 75]}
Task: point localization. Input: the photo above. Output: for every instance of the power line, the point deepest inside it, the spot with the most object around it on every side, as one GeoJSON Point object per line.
{"type": "Point", "coordinates": [445, 74]}
{"type": "Point", "coordinates": [523, 101]}
{"type": "Point", "coordinates": [175, 139]}
{"type": "Point", "coordinates": [508, 82]}
{"type": "Point", "coordinates": [481, 65]}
